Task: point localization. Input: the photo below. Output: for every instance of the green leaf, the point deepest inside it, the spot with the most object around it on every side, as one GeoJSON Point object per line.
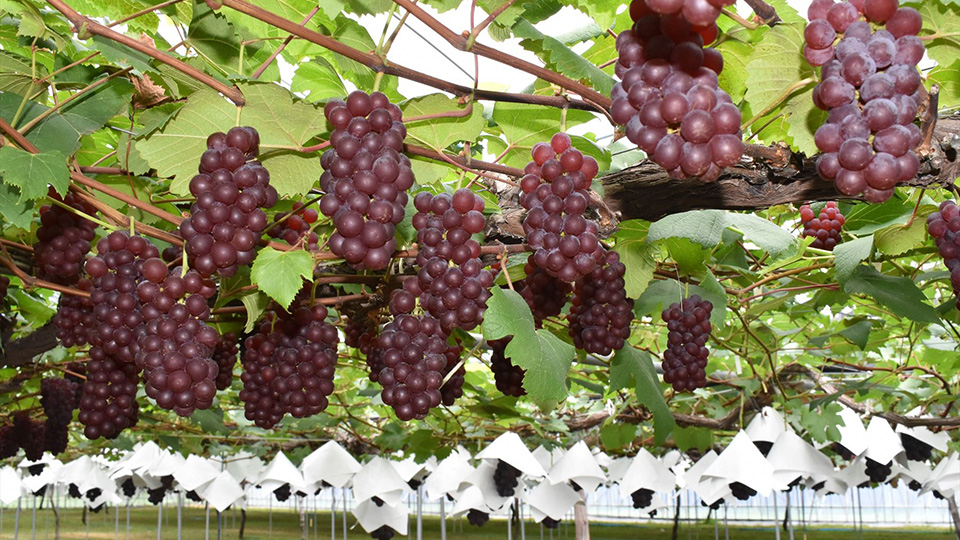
{"type": "Point", "coordinates": [31, 173]}
{"type": "Point", "coordinates": [636, 255]}
{"type": "Point", "coordinates": [899, 294]}
{"type": "Point", "coordinates": [558, 56]}
{"type": "Point", "coordinates": [210, 421]}
{"type": "Point", "coordinates": [942, 20]}
{"type": "Point", "coordinates": [692, 437]}
{"type": "Point", "coordinates": [16, 74]}
{"type": "Point", "coordinates": [615, 436]}
{"type": "Point", "coordinates": [858, 333]}
{"type": "Point", "coordinates": [544, 356]}
{"type": "Point", "coordinates": [821, 422]}
{"type": "Point", "coordinates": [869, 218]}
{"type": "Point", "coordinates": [318, 78]}
{"type": "Point", "coordinates": [947, 77]}
{"type": "Point", "coordinates": [705, 227]}
{"type": "Point", "coordinates": [255, 304]}
{"type": "Point", "coordinates": [439, 133]}
{"type": "Point", "coordinates": [280, 274]}
{"type": "Point", "coordinates": [525, 125]}
{"type": "Point", "coordinates": [633, 367]}
{"type": "Point", "coordinates": [898, 239]}
{"type": "Point", "coordinates": [848, 255]}
{"type": "Point", "coordinates": [663, 292]}
{"type": "Point", "coordinates": [122, 56]}
{"type": "Point", "coordinates": [15, 211]}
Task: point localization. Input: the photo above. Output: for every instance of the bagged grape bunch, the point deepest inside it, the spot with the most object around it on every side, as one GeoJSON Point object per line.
{"type": "Point", "coordinates": [668, 96]}
{"type": "Point", "coordinates": [365, 178]}
{"type": "Point", "coordinates": [871, 88]}
{"type": "Point", "coordinates": [227, 219]}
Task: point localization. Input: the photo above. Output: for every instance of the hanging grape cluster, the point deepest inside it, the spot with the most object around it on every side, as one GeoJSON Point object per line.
{"type": "Point", "coordinates": [226, 220]}
{"type": "Point", "coordinates": [878, 472]}
{"type": "Point", "coordinates": [365, 178]}
{"type": "Point", "coordinates": [288, 365]}
{"type": "Point", "coordinates": [668, 96]}
{"type": "Point", "coordinates": [915, 449]}
{"type": "Point", "coordinates": [506, 478]}
{"type": "Point", "coordinates": [944, 227]}
{"type": "Point", "coordinates": [58, 397]}
{"type": "Point", "coordinates": [225, 356]}
{"type": "Point", "coordinates": [870, 86]}
{"type": "Point", "coordinates": [685, 360]}
{"type": "Point", "coordinates": [294, 225]}
{"type": "Point", "coordinates": [75, 319]}
{"type": "Point", "coordinates": [507, 376]}
{"type": "Point", "coordinates": [824, 227]}
{"type": "Point", "coordinates": [414, 358]}
{"type": "Point", "coordinates": [453, 373]}
{"type": "Point", "coordinates": [601, 313]}
{"type": "Point", "coordinates": [545, 295]}
{"type": "Point", "coordinates": [63, 240]}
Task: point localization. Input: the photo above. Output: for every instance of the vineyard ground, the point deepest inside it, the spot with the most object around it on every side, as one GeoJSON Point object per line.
{"type": "Point", "coordinates": [143, 526]}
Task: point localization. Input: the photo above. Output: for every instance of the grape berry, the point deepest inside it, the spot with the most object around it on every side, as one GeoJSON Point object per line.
{"type": "Point", "coordinates": [944, 227]}
{"type": "Point", "coordinates": [825, 227]}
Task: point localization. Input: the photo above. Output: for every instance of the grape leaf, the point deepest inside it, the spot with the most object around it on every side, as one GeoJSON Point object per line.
{"type": "Point", "coordinates": [15, 211]}
{"type": "Point", "coordinates": [122, 55]}
{"type": "Point", "coordinates": [899, 294]}
{"type": "Point", "coordinates": [16, 75]}
{"type": "Point", "coordinates": [946, 77]}
{"type": "Point", "coordinates": [320, 79]}
{"type": "Point", "coordinates": [544, 356]}
{"type": "Point", "coordinates": [899, 238]}
{"type": "Point", "coordinates": [848, 255]}
{"type": "Point", "coordinates": [439, 133]}
{"type": "Point", "coordinates": [280, 274]}
{"type": "Point", "coordinates": [634, 368]}
{"type": "Point", "coordinates": [31, 173]}
{"type": "Point", "coordinates": [557, 55]}
{"type": "Point", "coordinates": [636, 255]}
{"type": "Point", "coordinates": [256, 303]}
{"type": "Point", "coordinates": [615, 436]}
{"type": "Point", "coordinates": [941, 20]}
{"type": "Point", "coordinates": [705, 227]}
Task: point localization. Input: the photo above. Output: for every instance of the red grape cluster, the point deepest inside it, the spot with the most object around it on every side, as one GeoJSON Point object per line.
{"type": "Point", "coordinates": [296, 226]}
{"type": "Point", "coordinates": [75, 319]}
{"type": "Point", "coordinates": [414, 357]}
{"type": "Point", "coordinates": [365, 178]}
{"type": "Point", "coordinates": [685, 360]}
{"type": "Point", "coordinates": [506, 478]}
{"type": "Point", "coordinates": [372, 354]}
{"type": "Point", "coordinates": [288, 365]}
{"type": "Point", "coordinates": [58, 397]}
{"type": "Point", "coordinates": [915, 449]}
{"type": "Point", "coordinates": [108, 404]}
{"type": "Point", "coordinates": [944, 227]}
{"type": "Point", "coordinates": [507, 376]}
{"type": "Point", "coordinates": [668, 96]}
{"type": "Point", "coordinates": [225, 356]}
{"type": "Point", "coordinates": [29, 435]}
{"type": "Point", "coordinates": [63, 240]}
{"type": "Point", "coordinates": [825, 227]}
{"type": "Point", "coordinates": [453, 388]}
{"type": "Point", "coordinates": [601, 313]}
{"type": "Point", "coordinates": [696, 12]}
{"type": "Point", "coordinates": [555, 194]}
{"type": "Point", "coordinates": [870, 85]}
{"type": "Point", "coordinates": [456, 295]}
{"type": "Point", "coordinates": [176, 347]}
{"type": "Point", "coordinates": [226, 220]}
{"type": "Point", "coordinates": [544, 294]}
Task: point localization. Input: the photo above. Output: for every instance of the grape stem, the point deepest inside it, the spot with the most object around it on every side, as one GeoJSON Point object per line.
{"type": "Point", "coordinates": [780, 99]}
{"type": "Point", "coordinates": [766, 12]}
{"type": "Point", "coordinates": [740, 20]}
{"type": "Point", "coordinates": [30, 282]}
{"type": "Point", "coordinates": [266, 63]}
{"type": "Point", "coordinates": [929, 121]}
{"type": "Point", "coordinates": [486, 22]}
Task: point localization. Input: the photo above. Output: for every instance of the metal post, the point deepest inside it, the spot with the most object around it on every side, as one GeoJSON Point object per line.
{"type": "Point", "coordinates": [420, 512]}
{"type": "Point", "coordinates": [523, 529]}
{"type": "Point", "coordinates": [776, 514]}
{"type": "Point", "coordinates": [270, 499]}
{"type": "Point", "coordinates": [33, 521]}
{"type": "Point", "coordinates": [726, 524]}
{"type": "Point", "coordinates": [128, 519]}
{"type": "Point", "coordinates": [790, 514]}
{"type": "Point", "coordinates": [443, 518]}
{"type": "Point", "coordinates": [116, 524]}
{"type": "Point", "coordinates": [509, 527]}
{"type": "Point", "coordinates": [159, 519]}
{"type": "Point", "coordinates": [179, 515]}
{"type": "Point", "coordinates": [343, 516]}
{"type": "Point", "coordinates": [206, 534]}
{"type": "Point", "coordinates": [333, 514]}
{"type": "Point", "coordinates": [16, 521]}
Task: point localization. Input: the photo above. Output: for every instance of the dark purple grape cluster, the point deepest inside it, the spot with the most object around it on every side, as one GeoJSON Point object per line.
{"type": "Point", "coordinates": [555, 194]}
{"type": "Point", "coordinates": [176, 347]}
{"type": "Point", "coordinates": [128, 488]}
{"type": "Point", "coordinates": [825, 227]}
{"type": "Point", "coordinates": [477, 518]}
{"type": "Point", "coordinates": [668, 96]}
{"type": "Point", "coordinates": [63, 240]}
{"type": "Point", "coordinates": [545, 295]}
{"type": "Point", "coordinates": [58, 397]}
{"type": "Point", "coordinates": [296, 225]}
{"type": "Point", "coordinates": [878, 472]}
{"type": "Point", "coordinates": [282, 493]}
{"type": "Point", "coordinates": [365, 178]}
{"type": "Point", "coordinates": [843, 451]}
{"type": "Point", "coordinates": [288, 365]}
{"type": "Point", "coordinates": [871, 87]}
{"type": "Point", "coordinates": [372, 354]}
{"type": "Point", "coordinates": [764, 447]}
{"type": "Point", "coordinates": [225, 356]}
{"type": "Point", "coordinates": [506, 478]}
{"type": "Point", "coordinates": [601, 313]}
{"type": "Point", "coordinates": [685, 360]}
{"type": "Point", "coordinates": [383, 533]}
{"type": "Point", "coordinates": [455, 294]}
{"type": "Point", "coordinates": [742, 491]}
{"type": "Point", "coordinates": [642, 498]}
{"type": "Point", "coordinates": [31, 434]}
{"type": "Point", "coordinates": [108, 404]}
{"type": "Point", "coordinates": [8, 442]}
{"type": "Point", "coordinates": [915, 449]}
{"type": "Point", "coordinates": [75, 319]}
{"type": "Point", "coordinates": [507, 376]}
{"type": "Point", "coordinates": [944, 227]}
{"type": "Point", "coordinates": [550, 523]}
{"type": "Point", "coordinates": [414, 357]}
{"type": "Point", "coordinates": [226, 221]}
{"type": "Point", "coordinates": [453, 388]}
{"type": "Point", "coordinates": [702, 13]}
{"type": "Point", "coordinates": [76, 372]}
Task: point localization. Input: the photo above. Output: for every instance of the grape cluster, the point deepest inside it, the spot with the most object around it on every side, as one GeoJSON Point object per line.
{"type": "Point", "coordinates": [385, 532]}
{"type": "Point", "coordinates": [4, 285]}
{"type": "Point", "coordinates": [685, 360]}
{"type": "Point", "coordinates": [600, 313]}
{"type": "Point", "coordinates": [878, 472]}
{"type": "Point", "coordinates": [915, 449]}
{"type": "Point", "coordinates": [226, 220]}
{"type": "Point", "coordinates": [414, 357]}
{"type": "Point", "coordinates": [225, 356]}
{"type": "Point", "coordinates": [108, 404]}
{"type": "Point", "coordinates": [30, 435]}
{"type": "Point", "coordinates": [477, 517]}
{"type": "Point", "coordinates": [63, 240]}
{"type": "Point", "coordinates": [128, 488]}
{"type": "Point", "coordinates": [453, 388]}
{"type": "Point", "coordinates": [365, 178]}
{"type": "Point", "coordinates": [456, 295]}
{"type": "Point", "coordinates": [843, 451]}
{"type": "Point", "coordinates": [871, 87]}
{"type": "Point", "coordinates": [507, 376]}
{"type": "Point", "coordinates": [296, 225]}
{"type": "Point", "coordinates": [944, 227]}
{"type": "Point", "coordinates": [288, 365]}
{"type": "Point", "coordinates": [372, 354]}
{"type": "Point", "coordinates": [75, 319]}
{"type": "Point", "coordinates": [550, 523]}
{"type": "Point", "coordinates": [742, 491]}
{"type": "Point", "coordinates": [176, 347]}
{"type": "Point", "coordinates": [282, 493]}
{"type": "Point", "coordinates": [668, 96]}
{"type": "Point", "coordinates": [544, 294]}
{"type": "Point", "coordinates": [825, 227]}
{"type": "Point", "coordinates": [642, 498]}
{"type": "Point", "coordinates": [555, 194]}
{"type": "Point", "coordinates": [58, 397]}
{"type": "Point", "coordinates": [506, 477]}
{"type": "Point", "coordinates": [696, 12]}
{"type": "Point", "coordinates": [764, 447]}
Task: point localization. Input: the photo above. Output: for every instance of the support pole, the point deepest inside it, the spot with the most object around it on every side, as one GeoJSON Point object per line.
{"type": "Point", "coordinates": [420, 512]}
{"type": "Point", "coordinates": [206, 528]}
{"type": "Point", "coordinates": [33, 520]}
{"type": "Point", "coordinates": [16, 521]}
{"type": "Point", "coordinates": [159, 519]}
{"type": "Point", "coordinates": [790, 515]}
{"type": "Point", "coordinates": [776, 514]}
{"type": "Point", "coordinates": [128, 519]}
{"type": "Point", "coordinates": [443, 517]}
{"type": "Point", "coordinates": [343, 516]}
{"type": "Point", "coordinates": [270, 530]}
{"type": "Point", "coordinates": [179, 515]}
{"type": "Point", "coordinates": [333, 514]}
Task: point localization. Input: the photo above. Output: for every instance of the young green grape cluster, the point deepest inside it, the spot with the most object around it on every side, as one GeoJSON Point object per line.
{"type": "Point", "coordinates": [825, 227]}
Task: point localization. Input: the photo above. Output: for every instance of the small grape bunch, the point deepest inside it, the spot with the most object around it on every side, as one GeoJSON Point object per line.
{"type": "Point", "coordinates": [825, 227]}
{"type": "Point", "coordinates": [75, 319]}
{"type": "Point", "coordinates": [914, 448]}
{"type": "Point", "coordinates": [506, 478]}
{"type": "Point", "coordinates": [63, 240]}
{"type": "Point", "coordinates": [544, 294]}
{"type": "Point", "coordinates": [642, 498]}
{"type": "Point", "coordinates": [225, 355]}
{"type": "Point", "coordinates": [296, 225]}
{"type": "Point", "coordinates": [477, 518]}
{"type": "Point", "coordinates": [878, 472]}
{"type": "Point", "coordinates": [944, 227]}
{"type": "Point", "coordinates": [507, 376]}
{"type": "Point", "coordinates": [58, 397]}
{"type": "Point", "coordinates": [685, 360]}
